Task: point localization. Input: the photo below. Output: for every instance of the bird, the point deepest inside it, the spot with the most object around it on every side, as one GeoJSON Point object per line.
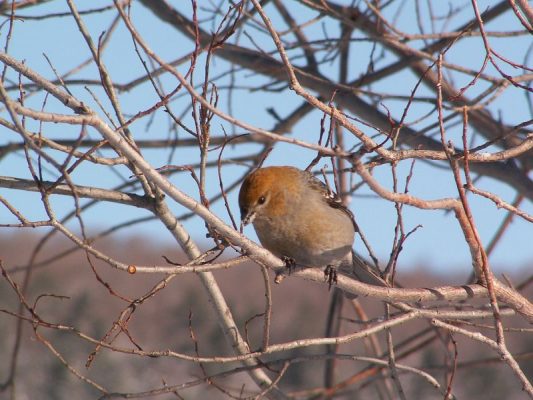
{"type": "Point", "coordinates": [298, 219]}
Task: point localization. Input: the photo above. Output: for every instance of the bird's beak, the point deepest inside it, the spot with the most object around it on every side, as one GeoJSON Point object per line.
{"type": "Point", "coordinates": [247, 216]}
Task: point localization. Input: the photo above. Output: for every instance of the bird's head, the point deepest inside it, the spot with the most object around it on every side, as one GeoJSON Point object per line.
{"type": "Point", "coordinates": [264, 193]}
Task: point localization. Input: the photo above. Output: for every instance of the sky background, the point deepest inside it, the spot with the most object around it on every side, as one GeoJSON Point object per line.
{"type": "Point", "coordinates": [439, 243]}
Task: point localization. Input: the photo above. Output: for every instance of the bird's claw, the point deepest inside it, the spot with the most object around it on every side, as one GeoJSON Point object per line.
{"type": "Point", "coordinates": [330, 275]}
{"type": "Point", "coordinates": [290, 263]}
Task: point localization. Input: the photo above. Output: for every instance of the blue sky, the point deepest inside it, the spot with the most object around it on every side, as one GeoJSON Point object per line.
{"type": "Point", "coordinates": [438, 243]}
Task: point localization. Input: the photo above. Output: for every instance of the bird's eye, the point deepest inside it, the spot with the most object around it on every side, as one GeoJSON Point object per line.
{"type": "Point", "coordinates": [261, 200]}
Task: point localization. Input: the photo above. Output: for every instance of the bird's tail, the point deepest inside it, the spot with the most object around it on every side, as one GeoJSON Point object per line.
{"type": "Point", "coordinates": [365, 272]}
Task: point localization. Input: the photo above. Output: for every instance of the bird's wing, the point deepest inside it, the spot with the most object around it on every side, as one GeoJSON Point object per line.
{"type": "Point", "coordinates": [332, 198]}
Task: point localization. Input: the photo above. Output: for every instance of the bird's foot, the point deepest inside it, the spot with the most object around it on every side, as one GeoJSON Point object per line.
{"type": "Point", "coordinates": [330, 275]}
{"type": "Point", "coordinates": [290, 263]}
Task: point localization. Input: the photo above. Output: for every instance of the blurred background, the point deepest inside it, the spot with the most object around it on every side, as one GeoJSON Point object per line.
{"type": "Point", "coordinates": [300, 310]}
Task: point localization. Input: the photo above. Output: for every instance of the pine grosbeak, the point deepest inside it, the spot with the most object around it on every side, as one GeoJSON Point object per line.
{"type": "Point", "coordinates": [297, 218]}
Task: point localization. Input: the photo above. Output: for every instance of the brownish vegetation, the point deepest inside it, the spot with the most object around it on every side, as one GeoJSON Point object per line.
{"type": "Point", "coordinates": [300, 311]}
